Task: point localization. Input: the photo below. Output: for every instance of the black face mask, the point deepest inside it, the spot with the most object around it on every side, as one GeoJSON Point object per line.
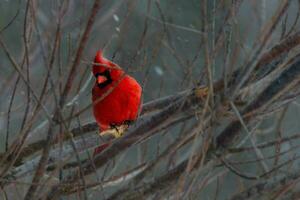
{"type": "Point", "coordinates": [108, 81]}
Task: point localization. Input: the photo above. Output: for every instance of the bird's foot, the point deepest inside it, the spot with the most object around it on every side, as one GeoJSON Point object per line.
{"type": "Point", "coordinates": [115, 131]}
{"type": "Point", "coordinates": [118, 130]}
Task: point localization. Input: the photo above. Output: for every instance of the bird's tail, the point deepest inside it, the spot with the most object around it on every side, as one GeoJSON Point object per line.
{"type": "Point", "coordinates": [100, 148]}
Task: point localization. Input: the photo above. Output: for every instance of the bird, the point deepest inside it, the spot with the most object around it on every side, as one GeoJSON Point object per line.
{"type": "Point", "coordinates": [116, 96]}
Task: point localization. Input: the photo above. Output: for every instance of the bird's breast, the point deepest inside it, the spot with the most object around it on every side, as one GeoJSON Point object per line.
{"type": "Point", "coordinates": [118, 102]}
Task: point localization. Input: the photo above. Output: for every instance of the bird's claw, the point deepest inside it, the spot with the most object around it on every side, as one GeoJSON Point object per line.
{"type": "Point", "coordinates": [119, 130]}
{"type": "Point", "coordinates": [116, 131]}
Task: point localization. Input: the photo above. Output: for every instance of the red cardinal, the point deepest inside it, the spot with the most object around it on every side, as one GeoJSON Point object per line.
{"type": "Point", "coordinates": [116, 96]}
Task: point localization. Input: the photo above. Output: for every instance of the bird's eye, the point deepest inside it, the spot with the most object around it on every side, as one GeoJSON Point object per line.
{"type": "Point", "coordinates": [103, 79]}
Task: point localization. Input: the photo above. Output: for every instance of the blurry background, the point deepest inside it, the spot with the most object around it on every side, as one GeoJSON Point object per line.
{"type": "Point", "coordinates": [167, 46]}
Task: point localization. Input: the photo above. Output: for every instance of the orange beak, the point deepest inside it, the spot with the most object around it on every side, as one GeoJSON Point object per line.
{"type": "Point", "coordinates": [101, 79]}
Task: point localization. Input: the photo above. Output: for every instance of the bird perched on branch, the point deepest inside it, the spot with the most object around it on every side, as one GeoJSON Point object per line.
{"type": "Point", "coordinates": [116, 96]}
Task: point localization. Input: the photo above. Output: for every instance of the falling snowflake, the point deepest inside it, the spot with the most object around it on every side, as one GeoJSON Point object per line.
{"type": "Point", "coordinates": [158, 70]}
{"type": "Point", "coordinates": [116, 18]}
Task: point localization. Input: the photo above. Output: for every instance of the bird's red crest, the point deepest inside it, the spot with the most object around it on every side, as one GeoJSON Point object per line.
{"type": "Point", "coordinates": [101, 60]}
